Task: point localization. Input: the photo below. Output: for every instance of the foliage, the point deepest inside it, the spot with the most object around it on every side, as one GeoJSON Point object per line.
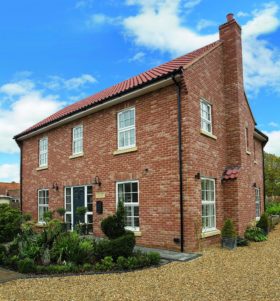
{"type": "Point", "coordinates": [272, 174]}
{"type": "Point", "coordinates": [273, 209]}
{"type": "Point", "coordinates": [26, 265]}
{"type": "Point", "coordinates": [26, 217]}
{"type": "Point", "coordinates": [10, 220]}
{"type": "Point", "coordinates": [242, 242]}
{"type": "Point", "coordinates": [114, 225]}
{"type": "Point", "coordinates": [106, 264]}
{"type": "Point", "coordinates": [71, 248]}
{"type": "Point", "coordinates": [263, 223]}
{"type": "Point", "coordinates": [3, 253]}
{"type": "Point", "coordinates": [228, 230]}
{"type": "Point", "coordinates": [121, 246]}
{"type": "Point", "coordinates": [51, 232]}
{"type": "Point", "coordinates": [81, 211]}
{"type": "Point", "coordinates": [61, 211]}
{"type": "Point", "coordinates": [48, 215]}
{"type": "Point", "coordinates": [255, 234]}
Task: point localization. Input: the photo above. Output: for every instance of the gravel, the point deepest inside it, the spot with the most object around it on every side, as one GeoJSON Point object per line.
{"type": "Point", "coordinates": [248, 273]}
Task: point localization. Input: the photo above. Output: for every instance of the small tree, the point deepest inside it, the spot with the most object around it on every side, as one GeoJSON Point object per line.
{"type": "Point", "coordinates": [263, 223]}
{"type": "Point", "coordinates": [81, 211]}
{"type": "Point", "coordinates": [228, 230]}
{"type": "Point", "coordinates": [114, 225]}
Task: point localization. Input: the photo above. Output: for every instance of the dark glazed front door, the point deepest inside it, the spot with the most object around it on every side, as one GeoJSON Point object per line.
{"type": "Point", "coordinates": [78, 201]}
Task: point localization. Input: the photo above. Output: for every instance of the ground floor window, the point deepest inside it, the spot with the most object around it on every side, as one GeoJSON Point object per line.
{"type": "Point", "coordinates": [258, 202]}
{"type": "Point", "coordinates": [78, 196]}
{"type": "Point", "coordinates": [128, 193]}
{"type": "Point", "coordinates": [208, 204]}
{"type": "Point", "coordinates": [43, 204]}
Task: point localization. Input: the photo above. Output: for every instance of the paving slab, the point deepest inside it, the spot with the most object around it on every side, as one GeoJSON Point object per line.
{"type": "Point", "coordinates": [7, 275]}
{"type": "Point", "coordinates": [170, 255]}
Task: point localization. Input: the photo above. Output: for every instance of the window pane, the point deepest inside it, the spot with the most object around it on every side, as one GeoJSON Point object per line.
{"type": "Point", "coordinates": [134, 197]}
{"type": "Point", "coordinates": [89, 219]}
{"type": "Point", "coordinates": [127, 187]}
{"type": "Point", "coordinates": [89, 189]}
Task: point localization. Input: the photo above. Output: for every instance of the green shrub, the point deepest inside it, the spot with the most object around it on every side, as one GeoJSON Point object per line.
{"type": "Point", "coordinates": [61, 211]}
{"type": "Point", "coordinates": [3, 253]}
{"type": "Point", "coordinates": [26, 265]}
{"type": "Point", "coordinates": [154, 258]}
{"type": "Point", "coordinates": [47, 216]}
{"type": "Point", "coordinates": [255, 234]}
{"type": "Point", "coordinates": [121, 246]}
{"type": "Point", "coordinates": [58, 269]}
{"type": "Point", "coordinates": [81, 211]}
{"type": "Point", "coordinates": [106, 264]}
{"type": "Point", "coordinates": [273, 209]}
{"type": "Point", "coordinates": [263, 223]}
{"type": "Point", "coordinates": [228, 230]}
{"type": "Point", "coordinates": [87, 267]}
{"type": "Point", "coordinates": [114, 225]}
{"type": "Point", "coordinates": [10, 220]}
{"type": "Point", "coordinates": [26, 217]}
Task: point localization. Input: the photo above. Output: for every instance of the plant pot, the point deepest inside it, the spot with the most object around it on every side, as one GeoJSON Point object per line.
{"type": "Point", "coordinates": [229, 243]}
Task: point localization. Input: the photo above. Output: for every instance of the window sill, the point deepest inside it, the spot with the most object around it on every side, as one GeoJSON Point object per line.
{"type": "Point", "coordinates": [248, 152]}
{"type": "Point", "coordinates": [257, 219]}
{"type": "Point", "coordinates": [42, 168]}
{"type": "Point", "coordinates": [40, 225]}
{"type": "Point", "coordinates": [76, 156]}
{"type": "Point", "coordinates": [208, 134]}
{"type": "Point", "coordinates": [137, 233]}
{"type": "Point", "coordinates": [210, 233]}
{"type": "Point", "coordinates": [125, 150]}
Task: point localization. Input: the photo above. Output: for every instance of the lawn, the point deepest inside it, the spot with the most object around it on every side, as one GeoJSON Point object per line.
{"type": "Point", "coordinates": [248, 273]}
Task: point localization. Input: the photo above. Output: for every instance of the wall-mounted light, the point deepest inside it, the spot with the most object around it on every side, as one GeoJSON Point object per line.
{"type": "Point", "coordinates": [197, 176]}
{"type": "Point", "coordinates": [254, 185]}
{"type": "Point", "coordinates": [55, 186]}
{"type": "Point", "coordinates": [96, 181]}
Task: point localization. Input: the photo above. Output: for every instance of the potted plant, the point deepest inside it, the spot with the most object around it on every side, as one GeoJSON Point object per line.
{"type": "Point", "coordinates": [81, 226]}
{"type": "Point", "coordinates": [61, 211]}
{"type": "Point", "coordinates": [263, 223]}
{"type": "Point", "coordinates": [229, 240]}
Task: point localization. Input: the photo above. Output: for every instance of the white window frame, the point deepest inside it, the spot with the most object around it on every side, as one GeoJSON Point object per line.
{"type": "Point", "coordinates": [71, 213]}
{"type": "Point", "coordinates": [203, 119]}
{"type": "Point", "coordinates": [203, 202]}
{"type": "Point", "coordinates": [75, 140]}
{"type": "Point", "coordinates": [127, 128]}
{"type": "Point", "coordinates": [247, 138]}
{"type": "Point", "coordinates": [41, 221]}
{"type": "Point", "coordinates": [43, 152]}
{"type": "Point", "coordinates": [258, 202]}
{"type": "Point", "coordinates": [134, 229]}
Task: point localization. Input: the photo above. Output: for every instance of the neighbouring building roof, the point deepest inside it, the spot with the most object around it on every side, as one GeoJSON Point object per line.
{"type": "Point", "coordinates": [9, 188]}
{"type": "Point", "coordinates": [126, 86]}
{"type": "Point", "coordinates": [231, 173]}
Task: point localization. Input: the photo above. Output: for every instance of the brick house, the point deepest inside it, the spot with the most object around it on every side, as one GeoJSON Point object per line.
{"type": "Point", "coordinates": [178, 144]}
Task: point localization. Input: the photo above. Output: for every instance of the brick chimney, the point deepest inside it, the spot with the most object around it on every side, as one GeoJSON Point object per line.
{"type": "Point", "coordinates": [230, 35]}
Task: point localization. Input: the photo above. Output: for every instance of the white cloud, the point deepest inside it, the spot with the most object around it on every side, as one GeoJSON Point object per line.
{"type": "Point", "coordinates": [261, 60]}
{"type": "Point", "coordinates": [17, 88]}
{"type": "Point", "coordinates": [191, 4]}
{"type": "Point", "coordinates": [242, 14]}
{"type": "Point", "coordinates": [9, 172]}
{"type": "Point", "coordinates": [24, 108]}
{"type": "Point", "coordinates": [273, 145]}
{"type": "Point", "coordinates": [203, 23]}
{"type": "Point", "coordinates": [273, 124]}
{"type": "Point", "coordinates": [83, 4]}
{"type": "Point", "coordinates": [158, 26]}
{"type": "Point", "coordinates": [101, 19]}
{"type": "Point", "coordinates": [74, 83]}
{"type": "Point", "coordinates": [138, 57]}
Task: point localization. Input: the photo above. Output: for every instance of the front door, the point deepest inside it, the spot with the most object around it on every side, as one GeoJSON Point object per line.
{"type": "Point", "coordinates": [78, 201]}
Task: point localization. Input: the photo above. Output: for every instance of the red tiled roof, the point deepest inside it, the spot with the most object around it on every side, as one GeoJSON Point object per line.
{"type": "Point", "coordinates": [5, 187]}
{"type": "Point", "coordinates": [123, 87]}
{"type": "Point", "coordinates": [231, 173]}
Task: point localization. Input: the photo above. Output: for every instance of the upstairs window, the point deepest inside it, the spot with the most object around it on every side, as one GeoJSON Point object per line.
{"type": "Point", "coordinates": [77, 140]}
{"type": "Point", "coordinates": [247, 139]}
{"type": "Point", "coordinates": [206, 116]}
{"type": "Point", "coordinates": [43, 204]}
{"type": "Point", "coordinates": [126, 128]}
{"type": "Point", "coordinates": [43, 152]}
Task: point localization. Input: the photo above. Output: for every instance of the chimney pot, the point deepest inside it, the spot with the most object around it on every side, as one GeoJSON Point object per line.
{"type": "Point", "coordinates": [230, 17]}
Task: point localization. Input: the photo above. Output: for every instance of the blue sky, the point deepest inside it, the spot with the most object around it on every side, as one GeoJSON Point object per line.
{"type": "Point", "coordinates": [54, 53]}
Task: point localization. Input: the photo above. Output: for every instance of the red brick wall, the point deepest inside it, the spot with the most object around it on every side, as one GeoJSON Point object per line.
{"type": "Point", "coordinates": [156, 134]}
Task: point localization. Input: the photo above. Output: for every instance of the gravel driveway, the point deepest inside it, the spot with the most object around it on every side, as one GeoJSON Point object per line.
{"type": "Point", "coordinates": [249, 273]}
